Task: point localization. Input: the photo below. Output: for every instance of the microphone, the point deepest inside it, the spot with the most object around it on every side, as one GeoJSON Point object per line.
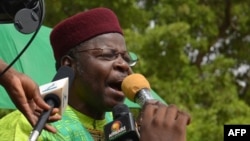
{"type": "Point", "coordinates": [60, 86]}
{"type": "Point", "coordinates": [54, 94]}
{"type": "Point", "coordinates": [137, 88]}
{"type": "Point", "coordinates": [123, 128]}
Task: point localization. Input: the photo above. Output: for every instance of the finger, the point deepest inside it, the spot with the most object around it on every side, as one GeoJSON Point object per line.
{"type": "Point", "coordinates": [50, 128]}
{"type": "Point", "coordinates": [32, 91]}
{"type": "Point", "coordinates": [149, 109]}
{"type": "Point", "coordinates": [55, 111]}
{"type": "Point", "coordinates": [183, 118]}
{"type": "Point", "coordinates": [54, 118]}
{"type": "Point", "coordinates": [160, 114]}
{"type": "Point", "coordinates": [39, 110]}
{"type": "Point", "coordinates": [149, 106]}
{"type": "Point", "coordinates": [147, 114]}
{"type": "Point", "coordinates": [37, 113]}
{"type": "Point", "coordinates": [29, 114]}
{"type": "Point", "coordinates": [54, 115]}
{"type": "Point", "coordinates": [171, 113]}
{"type": "Point", "coordinates": [24, 105]}
{"type": "Point", "coordinates": [40, 102]}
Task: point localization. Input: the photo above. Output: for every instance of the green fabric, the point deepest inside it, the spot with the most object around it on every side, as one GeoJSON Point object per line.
{"type": "Point", "coordinates": [37, 61]}
{"type": "Point", "coordinates": [91, 123]}
{"type": "Point", "coordinates": [15, 127]}
{"type": "Point", "coordinates": [68, 129]}
{"type": "Point", "coordinates": [71, 128]}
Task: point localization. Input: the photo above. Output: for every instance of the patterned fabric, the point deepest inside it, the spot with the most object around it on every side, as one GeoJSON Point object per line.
{"type": "Point", "coordinates": [15, 127]}
{"type": "Point", "coordinates": [94, 127]}
{"type": "Point", "coordinates": [71, 127]}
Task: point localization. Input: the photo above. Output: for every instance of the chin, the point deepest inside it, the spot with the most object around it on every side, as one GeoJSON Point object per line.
{"type": "Point", "coordinates": [113, 104]}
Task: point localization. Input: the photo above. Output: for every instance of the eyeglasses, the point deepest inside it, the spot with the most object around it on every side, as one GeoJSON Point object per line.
{"type": "Point", "coordinates": [111, 54]}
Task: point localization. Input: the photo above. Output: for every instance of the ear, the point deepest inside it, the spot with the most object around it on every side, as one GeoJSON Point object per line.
{"type": "Point", "coordinates": [68, 61]}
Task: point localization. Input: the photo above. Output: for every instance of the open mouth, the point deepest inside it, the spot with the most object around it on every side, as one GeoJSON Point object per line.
{"type": "Point", "coordinates": [117, 90]}
{"type": "Point", "coordinates": [116, 86]}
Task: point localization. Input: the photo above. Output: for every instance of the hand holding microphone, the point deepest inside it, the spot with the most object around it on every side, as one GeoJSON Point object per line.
{"type": "Point", "coordinates": [157, 120]}
{"type": "Point", "coordinates": [56, 95]}
{"type": "Point", "coordinates": [163, 123]}
{"type": "Point", "coordinates": [25, 94]}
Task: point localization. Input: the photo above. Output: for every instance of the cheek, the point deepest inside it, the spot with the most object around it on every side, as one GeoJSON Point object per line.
{"type": "Point", "coordinates": [94, 71]}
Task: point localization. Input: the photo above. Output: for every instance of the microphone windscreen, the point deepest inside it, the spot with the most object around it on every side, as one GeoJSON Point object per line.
{"type": "Point", "coordinates": [59, 86]}
{"type": "Point", "coordinates": [54, 98]}
{"type": "Point", "coordinates": [63, 72]}
{"type": "Point", "coordinates": [134, 83]}
{"type": "Point", "coordinates": [120, 110]}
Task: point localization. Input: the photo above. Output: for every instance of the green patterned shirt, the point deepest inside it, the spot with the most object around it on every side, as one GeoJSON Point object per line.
{"type": "Point", "coordinates": [73, 126]}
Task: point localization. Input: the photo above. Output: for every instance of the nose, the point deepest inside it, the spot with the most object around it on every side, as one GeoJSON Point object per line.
{"type": "Point", "coordinates": [121, 64]}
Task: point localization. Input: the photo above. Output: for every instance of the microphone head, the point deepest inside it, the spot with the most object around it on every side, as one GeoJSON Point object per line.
{"type": "Point", "coordinates": [65, 71]}
{"type": "Point", "coordinates": [120, 110]}
{"type": "Point", "coordinates": [59, 86]}
{"type": "Point", "coordinates": [52, 98]}
{"type": "Point", "coordinates": [134, 83]}
{"type": "Point", "coordinates": [123, 127]}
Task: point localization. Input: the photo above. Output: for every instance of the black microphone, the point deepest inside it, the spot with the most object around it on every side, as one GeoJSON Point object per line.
{"type": "Point", "coordinates": [123, 127]}
{"type": "Point", "coordinates": [56, 95]}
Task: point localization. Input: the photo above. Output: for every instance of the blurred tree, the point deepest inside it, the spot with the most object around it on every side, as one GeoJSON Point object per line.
{"type": "Point", "coordinates": [194, 53]}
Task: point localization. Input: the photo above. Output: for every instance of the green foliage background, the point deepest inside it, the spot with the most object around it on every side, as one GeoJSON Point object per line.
{"type": "Point", "coordinates": [164, 32]}
{"type": "Point", "coordinates": [188, 51]}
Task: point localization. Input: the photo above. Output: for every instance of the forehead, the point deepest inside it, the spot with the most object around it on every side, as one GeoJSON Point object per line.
{"type": "Point", "coordinates": [108, 40]}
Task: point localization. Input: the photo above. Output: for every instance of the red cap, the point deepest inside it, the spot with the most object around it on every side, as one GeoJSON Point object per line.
{"type": "Point", "coordinates": [81, 27]}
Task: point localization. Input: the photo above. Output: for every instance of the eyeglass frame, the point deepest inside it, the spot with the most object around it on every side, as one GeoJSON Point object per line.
{"type": "Point", "coordinates": [132, 56]}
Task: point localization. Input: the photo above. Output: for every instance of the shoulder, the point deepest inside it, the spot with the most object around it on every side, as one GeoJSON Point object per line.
{"type": "Point", "coordinates": [68, 128]}
{"type": "Point", "coordinates": [15, 124]}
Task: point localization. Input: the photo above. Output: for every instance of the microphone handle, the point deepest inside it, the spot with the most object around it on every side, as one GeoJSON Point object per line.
{"type": "Point", "coordinates": [42, 121]}
{"type": "Point", "coordinates": [142, 96]}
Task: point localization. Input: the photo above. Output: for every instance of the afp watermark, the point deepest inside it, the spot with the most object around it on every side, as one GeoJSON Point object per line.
{"type": "Point", "coordinates": [237, 132]}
